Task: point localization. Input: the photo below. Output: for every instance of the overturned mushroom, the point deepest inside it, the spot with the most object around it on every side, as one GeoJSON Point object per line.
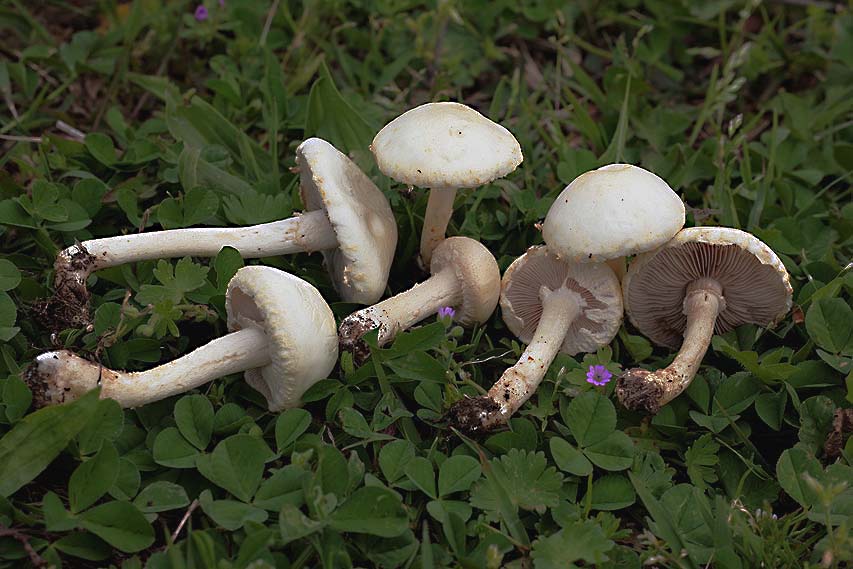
{"type": "Point", "coordinates": [465, 277]}
{"type": "Point", "coordinates": [554, 306]}
{"type": "Point", "coordinates": [348, 219]}
{"type": "Point", "coordinates": [444, 146]}
{"type": "Point", "coordinates": [609, 213]}
{"type": "Point", "coordinates": [706, 279]}
{"type": "Point", "coordinates": [282, 336]}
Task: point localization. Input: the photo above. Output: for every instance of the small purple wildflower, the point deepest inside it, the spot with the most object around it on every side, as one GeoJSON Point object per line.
{"type": "Point", "coordinates": [221, 3]}
{"type": "Point", "coordinates": [598, 375]}
{"type": "Point", "coordinates": [446, 312]}
{"type": "Point", "coordinates": [201, 13]}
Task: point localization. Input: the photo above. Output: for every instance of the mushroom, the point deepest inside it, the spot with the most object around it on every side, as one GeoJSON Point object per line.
{"type": "Point", "coordinates": [282, 337]}
{"type": "Point", "coordinates": [348, 219]}
{"type": "Point", "coordinates": [554, 306]}
{"type": "Point", "coordinates": [465, 277]}
{"type": "Point", "coordinates": [706, 279]}
{"type": "Point", "coordinates": [609, 213]}
{"type": "Point", "coordinates": [444, 146]}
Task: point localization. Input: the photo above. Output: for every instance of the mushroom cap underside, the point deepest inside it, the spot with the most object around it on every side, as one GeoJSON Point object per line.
{"type": "Point", "coordinates": [616, 210]}
{"type": "Point", "coordinates": [445, 145]}
{"type": "Point", "coordinates": [477, 272]}
{"type": "Point", "coordinates": [360, 215]}
{"type": "Point", "coordinates": [755, 284]}
{"type": "Point", "coordinates": [594, 286]}
{"type": "Point", "coordinates": [299, 325]}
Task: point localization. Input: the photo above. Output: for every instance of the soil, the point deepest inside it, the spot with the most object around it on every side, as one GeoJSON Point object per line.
{"type": "Point", "coordinates": [38, 385]}
{"type": "Point", "coordinates": [635, 392]}
{"type": "Point", "coordinates": [469, 415]}
{"type": "Point", "coordinates": [69, 305]}
{"type": "Point", "coordinates": [842, 427]}
{"type": "Point", "coordinates": [351, 336]}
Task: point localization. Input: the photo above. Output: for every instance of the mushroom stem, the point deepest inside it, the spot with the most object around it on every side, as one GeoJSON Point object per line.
{"type": "Point", "coordinates": [399, 312]}
{"type": "Point", "coordinates": [559, 309]}
{"type": "Point", "coordinates": [436, 217]}
{"type": "Point", "coordinates": [56, 377]}
{"type": "Point", "coordinates": [308, 232]}
{"type": "Point", "coordinates": [642, 389]}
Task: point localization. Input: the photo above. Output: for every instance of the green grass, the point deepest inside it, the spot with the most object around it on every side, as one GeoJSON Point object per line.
{"type": "Point", "coordinates": [745, 109]}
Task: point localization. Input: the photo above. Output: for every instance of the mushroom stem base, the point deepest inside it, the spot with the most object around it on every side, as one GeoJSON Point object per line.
{"type": "Point", "coordinates": [641, 389]}
{"type": "Point", "coordinates": [517, 384]}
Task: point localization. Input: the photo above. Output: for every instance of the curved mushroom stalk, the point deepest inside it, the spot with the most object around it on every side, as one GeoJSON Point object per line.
{"type": "Point", "coordinates": [399, 312]}
{"type": "Point", "coordinates": [437, 216]}
{"type": "Point", "coordinates": [642, 389]}
{"type": "Point", "coordinates": [57, 377]}
{"type": "Point", "coordinates": [559, 309]}
{"type": "Point", "coordinates": [465, 277]}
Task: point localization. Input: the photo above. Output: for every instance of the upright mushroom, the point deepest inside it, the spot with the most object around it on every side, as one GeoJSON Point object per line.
{"type": "Point", "coordinates": [706, 279]}
{"type": "Point", "coordinates": [609, 213]}
{"type": "Point", "coordinates": [347, 218]}
{"type": "Point", "coordinates": [465, 276]}
{"type": "Point", "coordinates": [282, 336]}
{"type": "Point", "coordinates": [554, 306]}
{"type": "Point", "coordinates": [444, 146]}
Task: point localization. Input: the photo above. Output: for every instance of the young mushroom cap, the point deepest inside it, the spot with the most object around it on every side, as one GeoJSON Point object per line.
{"type": "Point", "coordinates": [755, 284]}
{"type": "Point", "coordinates": [445, 145]}
{"type": "Point", "coordinates": [360, 216]}
{"type": "Point", "coordinates": [478, 274]}
{"type": "Point", "coordinates": [611, 212]}
{"type": "Point", "coordinates": [282, 337]}
{"type": "Point", "coordinates": [299, 326]}
{"type": "Point", "coordinates": [553, 306]}
{"type": "Point", "coordinates": [705, 280]}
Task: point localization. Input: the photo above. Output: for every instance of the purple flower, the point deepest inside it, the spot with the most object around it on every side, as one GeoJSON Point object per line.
{"type": "Point", "coordinates": [598, 375]}
{"type": "Point", "coordinates": [446, 312]}
{"type": "Point", "coordinates": [201, 13]}
{"type": "Point", "coordinates": [221, 3]}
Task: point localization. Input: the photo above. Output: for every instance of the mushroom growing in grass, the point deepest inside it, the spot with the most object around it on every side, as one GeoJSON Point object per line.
{"type": "Point", "coordinates": [553, 306]}
{"type": "Point", "coordinates": [443, 147]}
{"type": "Point", "coordinates": [465, 277]}
{"type": "Point", "coordinates": [609, 213]}
{"type": "Point", "coordinates": [706, 279]}
{"type": "Point", "coordinates": [282, 337]}
{"type": "Point", "coordinates": [348, 219]}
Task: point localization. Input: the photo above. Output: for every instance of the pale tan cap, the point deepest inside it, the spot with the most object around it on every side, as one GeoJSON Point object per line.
{"type": "Point", "coordinates": [299, 325]}
{"type": "Point", "coordinates": [611, 212]}
{"type": "Point", "coordinates": [359, 214]}
{"type": "Point", "coordinates": [445, 145]}
{"type": "Point", "coordinates": [478, 273]}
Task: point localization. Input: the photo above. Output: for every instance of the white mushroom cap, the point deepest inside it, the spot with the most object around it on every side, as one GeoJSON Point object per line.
{"type": "Point", "coordinates": [611, 212]}
{"type": "Point", "coordinates": [283, 305]}
{"type": "Point", "coordinates": [478, 273]}
{"type": "Point", "coordinates": [359, 214]}
{"type": "Point", "coordinates": [594, 286]}
{"type": "Point", "coordinates": [445, 145]}
{"type": "Point", "coordinates": [755, 284]}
